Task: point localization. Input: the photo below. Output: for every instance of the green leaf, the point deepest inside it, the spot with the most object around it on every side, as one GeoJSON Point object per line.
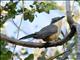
{"type": "Point", "coordinates": [23, 51]}
{"type": "Point", "coordinates": [5, 54]}
{"type": "Point", "coordinates": [30, 57]}
{"type": "Point", "coordinates": [29, 15]}
{"type": "Point", "coordinates": [31, 6]}
{"type": "Point", "coordinates": [11, 5]}
{"type": "Point", "coordinates": [3, 43]}
{"type": "Point", "coordinates": [1, 9]}
{"type": "Point", "coordinates": [57, 53]}
{"type": "Point", "coordinates": [35, 3]}
{"type": "Point", "coordinates": [31, 18]}
{"type": "Point", "coordinates": [45, 6]}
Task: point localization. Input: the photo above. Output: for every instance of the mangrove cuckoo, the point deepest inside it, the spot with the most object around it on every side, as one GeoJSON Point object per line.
{"type": "Point", "coordinates": [48, 33]}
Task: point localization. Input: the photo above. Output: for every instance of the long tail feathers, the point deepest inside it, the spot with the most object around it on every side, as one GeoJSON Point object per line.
{"type": "Point", "coordinates": [28, 36]}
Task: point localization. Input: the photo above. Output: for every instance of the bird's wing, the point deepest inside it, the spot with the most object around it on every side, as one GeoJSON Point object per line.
{"type": "Point", "coordinates": [47, 31]}
{"type": "Point", "coordinates": [43, 33]}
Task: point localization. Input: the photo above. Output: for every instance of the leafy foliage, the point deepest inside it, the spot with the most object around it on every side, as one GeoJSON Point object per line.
{"type": "Point", "coordinates": [12, 11]}
{"type": "Point", "coordinates": [30, 57]}
{"type": "Point", "coordinates": [44, 6]}
{"type": "Point", "coordinates": [5, 54]}
{"type": "Point", "coordinates": [28, 14]}
{"type": "Point", "coordinates": [10, 8]}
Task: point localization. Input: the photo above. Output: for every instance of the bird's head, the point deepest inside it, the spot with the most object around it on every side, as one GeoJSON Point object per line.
{"type": "Point", "coordinates": [54, 20]}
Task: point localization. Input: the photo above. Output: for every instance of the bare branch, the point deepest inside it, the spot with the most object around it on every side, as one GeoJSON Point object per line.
{"type": "Point", "coordinates": [68, 13]}
{"type": "Point", "coordinates": [67, 52]}
{"type": "Point", "coordinates": [18, 27]}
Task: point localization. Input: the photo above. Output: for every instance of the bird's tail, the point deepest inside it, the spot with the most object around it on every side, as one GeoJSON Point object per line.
{"type": "Point", "coordinates": [28, 36]}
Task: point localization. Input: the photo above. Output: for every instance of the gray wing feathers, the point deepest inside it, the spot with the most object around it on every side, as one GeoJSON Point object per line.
{"type": "Point", "coordinates": [46, 31]}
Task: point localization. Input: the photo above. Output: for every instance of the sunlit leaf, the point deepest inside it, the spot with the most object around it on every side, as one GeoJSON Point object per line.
{"type": "Point", "coordinates": [5, 54]}
{"type": "Point", "coordinates": [23, 51]}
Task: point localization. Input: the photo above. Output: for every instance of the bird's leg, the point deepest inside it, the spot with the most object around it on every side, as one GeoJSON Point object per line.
{"type": "Point", "coordinates": [46, 44]}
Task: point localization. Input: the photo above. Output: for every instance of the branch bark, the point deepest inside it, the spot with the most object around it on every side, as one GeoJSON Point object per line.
{"type": "Point", "coordinates": [68, 13]}
{"type": "Point", "coordinates": [65, 54]}
{"type": "Point", "coordinates": [78, 41]}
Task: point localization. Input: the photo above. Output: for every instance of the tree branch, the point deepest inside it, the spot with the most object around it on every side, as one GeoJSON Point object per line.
{"type": "Point", "coordinates": [64, 55]}
{"type": "Point", "coordinates": [68, 13]}
{"type": "Point", "coordinates": [67, 52]}
{"type": "Point", "coordinates": [39, 45]}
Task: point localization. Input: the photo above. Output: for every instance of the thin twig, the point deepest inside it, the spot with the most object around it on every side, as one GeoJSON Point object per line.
{"type": "Point", "coordinates": [65, 52]}
{"type": "Point", "coordinates": [18, 27]}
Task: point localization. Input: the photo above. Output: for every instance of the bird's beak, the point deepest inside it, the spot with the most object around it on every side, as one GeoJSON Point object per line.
{"type": "Point", "coordinates": [61, 17]}
{"type": "Point", "coordinates": [54, 20]}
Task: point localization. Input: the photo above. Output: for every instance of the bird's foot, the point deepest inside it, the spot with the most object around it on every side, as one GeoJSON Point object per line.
{"type": "Point", "coordinates": [46, 44]}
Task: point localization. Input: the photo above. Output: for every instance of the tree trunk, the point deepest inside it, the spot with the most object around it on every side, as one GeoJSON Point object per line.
{"type": "Point", "coordinates": [78, 41]}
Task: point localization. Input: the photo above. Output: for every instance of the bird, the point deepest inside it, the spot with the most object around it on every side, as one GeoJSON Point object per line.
{"type": "Point", "coordinates": [48, 33]}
